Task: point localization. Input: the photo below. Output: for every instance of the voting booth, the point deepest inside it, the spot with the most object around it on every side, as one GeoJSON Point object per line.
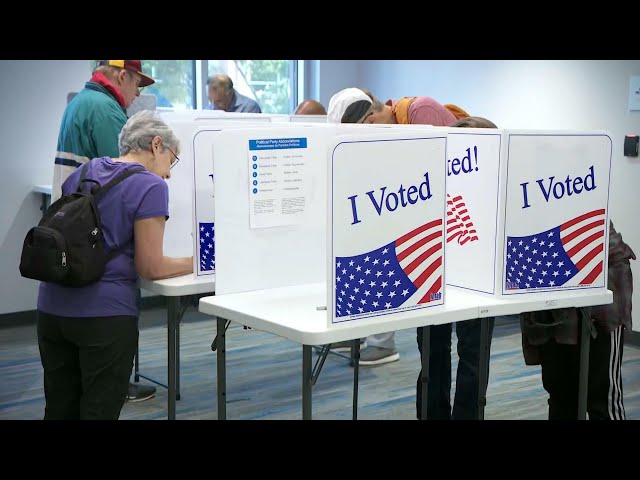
{"type": "Point", "coordinates": [384, 217]}
{"type": "Point", "coordinates": [527, 211]}
{"type": "Point", "coordinates": [298, 205]}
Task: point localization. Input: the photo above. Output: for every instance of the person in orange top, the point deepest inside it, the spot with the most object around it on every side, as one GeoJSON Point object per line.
{"type": "Point", "coordinates": [355, 105]}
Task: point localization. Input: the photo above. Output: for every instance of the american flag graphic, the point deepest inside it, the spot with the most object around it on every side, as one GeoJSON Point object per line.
{"type": "Point", "coordinates": [459, 224]}
{"type": "Point", "coordinates": [402, 273]}
{"type": "Point", "coordinates": [567, 255]}
{"type": "Point", "coordinates": [207, 247]}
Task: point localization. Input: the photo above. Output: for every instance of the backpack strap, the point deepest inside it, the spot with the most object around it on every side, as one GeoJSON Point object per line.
{"type": "Point", "coordinates": [83, 174]}
{"type": "Point", "coordinates": [107, 187]}
{"type": "Point", "coordinates": [117, 180]}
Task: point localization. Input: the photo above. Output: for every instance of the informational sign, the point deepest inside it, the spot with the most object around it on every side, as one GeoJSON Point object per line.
{"type": "Point", "coordinates": [278, 181]}
{"type": "Point", "coordinates": [556, 219]}
{"type": "Point", "coordinates": [386, 213]}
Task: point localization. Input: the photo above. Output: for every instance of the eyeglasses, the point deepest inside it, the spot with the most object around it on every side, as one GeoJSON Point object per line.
{"type": "Point", "coordinates": [175, 162]}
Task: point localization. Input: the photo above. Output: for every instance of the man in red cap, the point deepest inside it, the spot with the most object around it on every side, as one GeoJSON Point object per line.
{"type": "Point", "coordinates": [94, 118]}
{"type": "Point", "coordinates": [90, 127]}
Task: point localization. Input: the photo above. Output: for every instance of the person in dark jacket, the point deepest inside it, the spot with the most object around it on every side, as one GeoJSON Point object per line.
{"type": "Point", "coordinates": [550, 339]}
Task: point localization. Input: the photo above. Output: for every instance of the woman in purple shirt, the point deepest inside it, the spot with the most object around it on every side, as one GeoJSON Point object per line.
{"type": "Point", "coordinates": [87, 336]}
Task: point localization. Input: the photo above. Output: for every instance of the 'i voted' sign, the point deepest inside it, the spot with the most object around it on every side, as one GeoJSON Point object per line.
{"type": "Point", "coordinates": [387, 208]}
{"type": "Point", "coordinates": [556, 217]}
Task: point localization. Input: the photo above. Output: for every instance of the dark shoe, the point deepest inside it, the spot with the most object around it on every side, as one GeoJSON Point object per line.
{"type": "Point", "coordinates": [140, 393]}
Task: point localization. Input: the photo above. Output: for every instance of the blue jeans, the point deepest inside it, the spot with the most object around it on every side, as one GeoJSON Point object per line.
{"type": "Point", "coordinates": [465, 405]}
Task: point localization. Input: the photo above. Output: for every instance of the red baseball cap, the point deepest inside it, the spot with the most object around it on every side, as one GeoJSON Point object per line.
{"type": "Point", "coordinates": [132, 65]}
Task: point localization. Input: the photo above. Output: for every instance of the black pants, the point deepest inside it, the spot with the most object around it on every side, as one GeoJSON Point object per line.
{"type": "Point", "coordinates": [87, 364]}
{"type": "Point", "coordinates": [560, 377]}
{"type": "Point", "coordinates": [465, 405]}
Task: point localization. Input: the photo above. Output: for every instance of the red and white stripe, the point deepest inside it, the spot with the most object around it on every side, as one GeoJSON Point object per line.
{"type": "Point", "coordinates": [419, 253]}
{"type": "Point", "coordinates": [583, 239]}
{"type": "Point", "coordinates": [459, 224]}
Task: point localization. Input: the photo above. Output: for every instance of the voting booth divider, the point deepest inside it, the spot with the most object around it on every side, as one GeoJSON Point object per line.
{"type": "Point", "coordinates": [527, 210]}
{"type": "Point", "coordinates": [384, 218]}
{"type": "Point", "coordinates": [293, 202]}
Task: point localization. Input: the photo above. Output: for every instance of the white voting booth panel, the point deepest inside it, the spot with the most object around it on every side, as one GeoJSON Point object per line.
{"type": "Point", "coordinates": [556, 223]}
{"type": "Point", "coordinates": [385, 223]}
{"type": "Point", "coordinates": [527, 210]}
{"type": "Point", "coordinates": [203, 222]}
{"type": "Point", "coordinates": [178, 238]}
{"type": "Point", "coordinates": [474, 176]}
{"type": "Point", "coordinates": [270, 206]}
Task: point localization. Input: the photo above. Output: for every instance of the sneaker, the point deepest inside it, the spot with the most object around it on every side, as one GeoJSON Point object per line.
{"type": "Point", "coordinates": [140, 393]}
{"type": "Point", "coordinates": [378, 355]}
{"type": "Point", "coordinates": [346, 345]}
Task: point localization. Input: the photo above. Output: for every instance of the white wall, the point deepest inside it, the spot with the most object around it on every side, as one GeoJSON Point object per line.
{"type": "Point", "coordinates": [574, 94]}
{"type": "Point", "coordinates": [334, 75]}
{"type": "Point", "coordinates": [33, 95]}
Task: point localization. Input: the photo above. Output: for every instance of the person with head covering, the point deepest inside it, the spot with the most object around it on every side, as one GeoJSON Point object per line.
{"type": "Point", "coordinates": [222, 96]}
{"type": "Point", "coordinates": [310, 107]}
{"type": "Point", "coordinates": [90, 126]}
{"type": "Point", "coordinates": [88, 336]}
{"type": "Point", "coordinates": [355, 105]}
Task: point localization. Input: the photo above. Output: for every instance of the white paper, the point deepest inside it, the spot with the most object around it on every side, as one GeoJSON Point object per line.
{"type": "Point", "coordinates": [278, 181]}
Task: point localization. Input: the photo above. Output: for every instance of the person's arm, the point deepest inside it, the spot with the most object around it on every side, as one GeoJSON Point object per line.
{"type": "Point", "coordinates": [150, 262]}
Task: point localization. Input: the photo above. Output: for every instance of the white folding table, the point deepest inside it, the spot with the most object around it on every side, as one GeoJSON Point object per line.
{"type": "Point", "coordinates": [299, 314]}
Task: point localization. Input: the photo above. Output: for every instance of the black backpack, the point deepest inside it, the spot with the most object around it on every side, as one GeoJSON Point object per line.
{"type": "Point", "coordinates": [67, 246]}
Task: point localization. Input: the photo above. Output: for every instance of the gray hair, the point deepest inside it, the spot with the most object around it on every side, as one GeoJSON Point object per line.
{"type": "Point", "coordinates": [221, 80]}
{"type": "Point", "coordinates": [109, 71]}
{"type": "Point", "coordinates": [137, 133]}
{"type": "Point", "coordinates": [376, 105]}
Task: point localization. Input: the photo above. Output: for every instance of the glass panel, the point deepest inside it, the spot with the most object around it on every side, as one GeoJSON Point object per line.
{"type": "Point", "coordinates": [174, 85]}
{"type": "Point", "coordinates": [270, 82]}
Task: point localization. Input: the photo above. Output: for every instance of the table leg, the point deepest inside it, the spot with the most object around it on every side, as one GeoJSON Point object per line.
{"type": "Point", "coordinates": [173, 307]}
{"type": "Point", "coordinates": [355, 354]}
{"type": "Point", "coordinates": [585, 344]}
{"type": "Point", "coordinates": [306, 382]}
{"type": "Point", "coordinates": [178, 356]}
{"type": "Point", "coordinates": [221, 351]}
{"type": "Point", "coordinates": [483, 366]}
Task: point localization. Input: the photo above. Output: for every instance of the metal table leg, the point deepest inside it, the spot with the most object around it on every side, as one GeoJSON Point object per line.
{"type": "Point", "coordinates": [173, 308]}
{"type": "Point", "coordinates": [178, 354]}
{"type": "Point", "coordinates": [585, 344]}
{"type": "Point", "coordinates": [483, 366]}
{"type": "Point", "coordinates": [307, 382]}
{"type": "Point", "coordinates": [221, 350]}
